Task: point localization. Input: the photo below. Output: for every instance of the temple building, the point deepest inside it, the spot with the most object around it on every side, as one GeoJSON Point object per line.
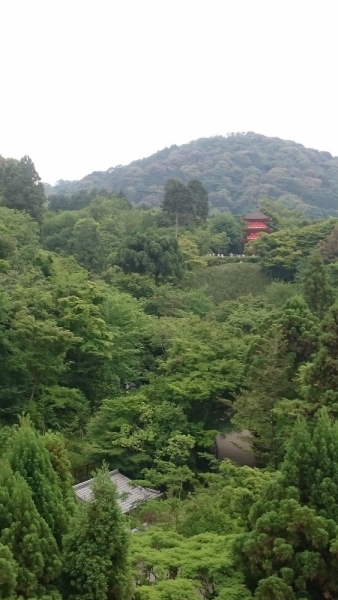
{"type": "Point", "coordinates": [256, 224]}
{"type": "Point", "coordinates": [129, 496]}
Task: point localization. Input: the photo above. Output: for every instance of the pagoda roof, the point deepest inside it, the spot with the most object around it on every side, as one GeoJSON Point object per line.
{"type": "Point", "coordinates": [256, 216]}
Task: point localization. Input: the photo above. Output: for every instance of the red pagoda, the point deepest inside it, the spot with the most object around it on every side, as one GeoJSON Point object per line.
{"type": "Point", "coordinates": [256, 224]}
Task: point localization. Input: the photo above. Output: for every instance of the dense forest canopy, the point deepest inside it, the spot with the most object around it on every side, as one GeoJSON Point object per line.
{"type": "Point", "coordinates": [138, 338]}
{"type": "Point", "coordinates": [235, 170]}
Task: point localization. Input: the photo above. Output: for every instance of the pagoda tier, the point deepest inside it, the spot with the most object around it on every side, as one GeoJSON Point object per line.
{"type": "Point", "coordinates": [256, 224]}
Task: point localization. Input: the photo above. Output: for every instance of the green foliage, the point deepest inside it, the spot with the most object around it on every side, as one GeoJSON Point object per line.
{"type": "Point", "coordinates": [128, 430]}
{"type": "Point", "coordinates": [178, 202]}
{"type": "Point", "coordinates": [301, 330]}
{"type": "Point", "coordinates": [128, 345]}
{"type": "Point", "coordinates": [317, 291]}
{"type": "Point", "coordinates": [150, 254]}
{"type": "Point", "coordinates": [21, 187]}
{"type": "Point", "coordinates": [28, 539]}
{"type": "Point", "coordinates": [87, 245]}
{"type": "Point", "coordinates": [228, 282]}
{"type": "Point", "coordinates": [328, 248]}
{"type": "Point", "coordinates": [227, 223]}
{"type": "Point", "coordinates": [278, 292]}
{"type": "Point", "coordinates": [8, 572]}
{"type": "Point", "coordinates": [170, 301]}
{"type": "Point", "coordinates": [28, 456]}
{"type": "Point", "coordinates": [96, 558]}
{"type": "Point", "coordinates": [282, 216]}
{"type": "Point", "coordinates": [200, 199]}
{"type": "Point", "coordinates": [282, 252]}
{"type": "Point", "coordinates": [319, 379]}
{"type": "Point", "coordinates": [291, 548]}
{"type": "Point", "coordinates": [190, 253]}
{"type": "Point", "coordinates": [185, 567]}
{"type": "Point", "coordinates": [62, 467]}
{"type": "Point", "coordinates": [266, 384]}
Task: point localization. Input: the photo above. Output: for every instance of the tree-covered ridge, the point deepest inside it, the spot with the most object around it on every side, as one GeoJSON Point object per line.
{"type": "Point", "coordinates": [235, 170]}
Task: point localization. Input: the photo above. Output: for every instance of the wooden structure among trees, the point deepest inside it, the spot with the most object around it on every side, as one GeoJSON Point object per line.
{"type": "Point", "coordinates": [130, 496]}
{"type": "Point", "coordinates": [256, 224]}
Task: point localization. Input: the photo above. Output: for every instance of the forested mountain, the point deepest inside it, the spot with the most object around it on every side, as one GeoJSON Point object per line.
{"type": "Point", "coordinates": [137, 339]}
{"type": "Point", "coordinates": [236, 171]}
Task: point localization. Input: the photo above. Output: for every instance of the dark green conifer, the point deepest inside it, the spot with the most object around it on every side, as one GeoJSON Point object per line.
{"type": "Point", "coordinates": [301, 329]}
{"type": "Point", "coordinates": [28, 455]}
{"type": "Point", "coordinates": [200, 199]}
{"type": "Point", "coordinates": [8, 572]}
{"type": "Point", "coordinates": [178, 202]}
{"type": "Point", "coordinates": [58, 455]}
{"type": "Point", "coordinates": [29, 539]}
{"type": "Point", "coordinates": [96, 560]}
{"type": "Point", "coordinates": [319, 379]}
{"type": "Point", "coordinates": [317, 291]}
{"type": "Point", "coordinates": [292, 545]}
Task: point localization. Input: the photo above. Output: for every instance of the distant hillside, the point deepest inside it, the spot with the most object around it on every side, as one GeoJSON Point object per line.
{"type": "Point", "coordinates": [236, 170]}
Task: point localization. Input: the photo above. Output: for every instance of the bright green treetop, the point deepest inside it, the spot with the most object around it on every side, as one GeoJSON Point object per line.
{"type": "Point", "coordinates": [28, 537]}
{"type": "Point", "coordinates": [96, 559]}
{"type": "Point", "coordinates": [28, 455]}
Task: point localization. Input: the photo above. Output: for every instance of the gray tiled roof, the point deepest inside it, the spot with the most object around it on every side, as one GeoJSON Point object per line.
{"type": "Point", "coordinates": [129, 496]}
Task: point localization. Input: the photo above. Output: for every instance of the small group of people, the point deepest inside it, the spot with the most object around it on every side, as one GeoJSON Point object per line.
{"type": "Point", "coordinates": [226, 255]}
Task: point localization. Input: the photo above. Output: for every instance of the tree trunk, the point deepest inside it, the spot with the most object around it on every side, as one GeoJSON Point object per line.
{"type": "Point", "coordinates": [157, 277]}
{"type": "Point", "coordinates": [35, 385]}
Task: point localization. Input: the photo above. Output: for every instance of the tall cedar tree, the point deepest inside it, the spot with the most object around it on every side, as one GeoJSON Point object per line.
{"type": "Point", "coordinates": [21, 187]}
{"type": "Point", "coordinates": [29, 456]}
{"type": "Point", "coordinates": [319, 379]}
{"type": "Point", "coordinates": [301, 330]}
{"type": "Point", "coordinates": [96, 558]}
{"type": "Point", "coordinates": [178, 202]}
{"type": "Point", "coordinates": [266, 384]}
{"type": "Point", "coordinates": [200, 199]}
{"type": "Point", "coordinates": [62, 466]}
{"type": "Point", "coordinates": [291, 550]}
{"type": "Point", "coordinates": [8, 573]}
{"type": "Point", "coordinates": [28, 537]}
{"type": "Point", "coordinates": [317, 291]}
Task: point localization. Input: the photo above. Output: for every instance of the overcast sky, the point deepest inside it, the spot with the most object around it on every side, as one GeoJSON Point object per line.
{"type": "Point", "coordinates": [89, 84]}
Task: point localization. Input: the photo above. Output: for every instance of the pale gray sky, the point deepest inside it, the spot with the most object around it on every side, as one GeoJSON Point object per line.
{"type": "Point", "coordinates": [89, 84]}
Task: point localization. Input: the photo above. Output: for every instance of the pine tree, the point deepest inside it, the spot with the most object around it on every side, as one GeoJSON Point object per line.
{"type": "Point", "coordinates": [319, 379]}
{"type": "Point", "coordinates": [200, 199]}
{"type": "Point", "coordinates": [292, 546]}
{"type": "Point", "coordinates": [61, 464]}
{"type": "Point", "coordinates": [96, 561]}
{"type": "Point", "coordinates": [178, 202]}
{"type": "Point", "coordinates": [28, 538]}
{"type": "Point", "coordinates": [317, 291]}
{"type": "Point", "coordinates": [28, 455]}
{"type": "Point", "coordinates": [8, 572]}
{"type": "Point", "coordinates": [301, 330]}
{"type": "Point", "coordinates": [266, 384]}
